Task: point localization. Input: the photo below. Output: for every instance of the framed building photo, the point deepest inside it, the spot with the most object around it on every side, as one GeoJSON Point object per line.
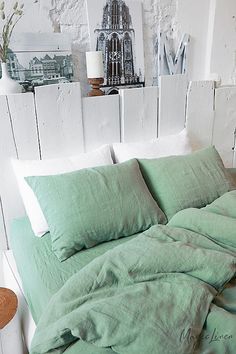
{"type": "Point", "coordinates": [116, 29]}
{"type": "Point", "coordinates": [37, 59]}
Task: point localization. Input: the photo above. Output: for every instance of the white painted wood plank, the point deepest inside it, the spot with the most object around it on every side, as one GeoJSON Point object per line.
{"type": "Point", "coordinates": [11, 203]}
{"type": "Point", "coordinates": [59, 114]}
{"type": "Point", "coordinates": [200, 113]}
{"type": "Point", "coordinates": [1, 270]}
{"type": "Point", "coordinates": [172, 104]}
{"type": "Point", "coordinates": [101, 121]}
{"type": "Point", "coordinates": [11, 337]}
{"type": "Point", "coordinates": [23, 325]}
{"type": "Point", "coordinates": [19, 139]}
{"type": "Point", "coordinates": [1, 285]}
{"type": "Point", "coordinates": [3, 243]}
{"type": "Point", "coordinates": [139, 110]}
{"type": "Point", "coordinates": [1, 352]}
{"type": "Point", "coordinates": [23, 117]}
{"type": "Point", "coordinates": [225, 123]}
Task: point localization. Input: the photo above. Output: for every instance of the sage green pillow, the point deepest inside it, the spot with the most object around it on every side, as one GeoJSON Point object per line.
{"type": "Point", "coordinates": [190, 181]}
{"type": "Point", "coordinates": [90, 206]}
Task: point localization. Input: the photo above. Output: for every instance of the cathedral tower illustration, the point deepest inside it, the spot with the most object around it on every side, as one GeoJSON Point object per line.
{"type": "Point", "coordinates": [116, 39]}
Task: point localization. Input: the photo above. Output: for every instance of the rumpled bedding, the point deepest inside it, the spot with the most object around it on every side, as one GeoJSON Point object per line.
{"type": "Point", "coordinates": [170, 290]}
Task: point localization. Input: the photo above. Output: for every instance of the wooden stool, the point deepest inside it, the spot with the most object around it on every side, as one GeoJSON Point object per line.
{"type": "Point", "coordinates": [8, 306]}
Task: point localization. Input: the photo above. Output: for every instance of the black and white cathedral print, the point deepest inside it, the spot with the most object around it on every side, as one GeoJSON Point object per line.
{"type": "Point", "coordinates": [116, 29]}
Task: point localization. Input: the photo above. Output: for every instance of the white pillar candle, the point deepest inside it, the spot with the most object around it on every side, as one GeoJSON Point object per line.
{"type": "Point", "coordinates": [94, 61]}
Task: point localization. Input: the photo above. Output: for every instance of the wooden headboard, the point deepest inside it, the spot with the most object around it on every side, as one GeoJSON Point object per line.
{"type": "Point", "coordinates": [56, 121]}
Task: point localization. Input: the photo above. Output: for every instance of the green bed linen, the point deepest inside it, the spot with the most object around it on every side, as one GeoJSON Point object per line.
{"type": "Point", "coordinates": [187, 181]}
{"type": "Point", "coordinates": [168, 291]}
{"type": "Point", "coordinates": [43, 275]}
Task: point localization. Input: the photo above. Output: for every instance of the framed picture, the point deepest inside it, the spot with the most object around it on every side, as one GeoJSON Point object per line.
{"type": "Point", "coordinates": [40, 59]}
{"type": "Point", "coordinates": [116, 29]}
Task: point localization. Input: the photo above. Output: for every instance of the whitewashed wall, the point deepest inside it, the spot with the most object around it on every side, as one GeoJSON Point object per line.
{"type": "Point", "coordinates": [193, 17]}
{"type": "Point", "coordinates": [221, 40]}
{"type": "Point", "coordinates": [211, 24]}
{"type": "Point", "coordinates": [70, 16]}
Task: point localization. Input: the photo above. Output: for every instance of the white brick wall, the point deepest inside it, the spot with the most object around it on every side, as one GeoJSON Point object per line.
{"type": "Point", "coordinates": [70, 16]}
{"type": "Point", "coordinates": [202, 19]}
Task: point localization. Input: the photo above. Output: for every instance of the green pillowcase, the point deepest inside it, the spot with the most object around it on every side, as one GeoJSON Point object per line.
{"type": "Point", "coordinates": [180, 182]}
{"type": "Point", "coordinates": [90, 206]}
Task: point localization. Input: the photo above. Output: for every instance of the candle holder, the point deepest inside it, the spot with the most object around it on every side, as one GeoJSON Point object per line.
{"type": "Point", "coordinates": [95, 72]}
{"type": "Point", "coordinates": [96, 84]}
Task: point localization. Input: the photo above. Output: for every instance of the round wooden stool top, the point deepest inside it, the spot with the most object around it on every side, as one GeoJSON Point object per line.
{"type": "Point", "coordinates": [8, 306]}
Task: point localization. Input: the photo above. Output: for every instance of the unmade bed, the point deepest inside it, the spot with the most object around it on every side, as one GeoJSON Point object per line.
{"type": "Point", "coordinates": [204, 265]}
{"type": "Point", "coordinates": [176, 282]}
{"type": "Point", "coordinates": [140, 257]}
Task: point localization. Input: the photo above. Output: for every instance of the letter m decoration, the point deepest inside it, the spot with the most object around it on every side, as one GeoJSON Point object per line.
{"type": "Point", "coordinates": [170, 63]}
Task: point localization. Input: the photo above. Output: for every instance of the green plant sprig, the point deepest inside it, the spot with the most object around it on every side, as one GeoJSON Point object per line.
{"type": "Point", "coordinates": [10, 22]}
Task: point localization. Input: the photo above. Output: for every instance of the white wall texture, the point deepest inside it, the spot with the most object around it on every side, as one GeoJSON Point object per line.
{"type": "Point", "coordinates": [205, 20]}
{"type": "Point", "coordinates": [222, 46]}
{"type": "Point", "coordinates": [70, 16]}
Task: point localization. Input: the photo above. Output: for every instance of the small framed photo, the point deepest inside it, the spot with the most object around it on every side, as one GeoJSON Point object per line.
{"type": "Point", "coordinates": [36, 59]}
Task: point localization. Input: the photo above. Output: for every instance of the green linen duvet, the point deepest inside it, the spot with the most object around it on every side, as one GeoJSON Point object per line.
{"type": "Point", "coordinates": [170, 290]}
